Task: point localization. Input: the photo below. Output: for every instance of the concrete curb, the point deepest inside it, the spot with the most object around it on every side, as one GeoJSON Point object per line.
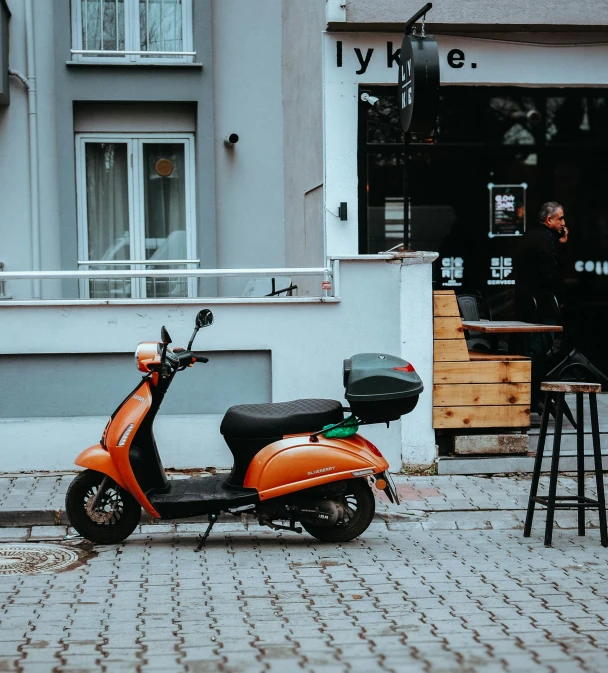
{"type": "Point", "coordinates": [24, 518]}
{"type": "Point", "coordinates": [17, 518]}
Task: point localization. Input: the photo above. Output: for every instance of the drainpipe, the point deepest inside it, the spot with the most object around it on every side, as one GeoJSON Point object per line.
{"type": "Point", "coordinates": [29, 83]}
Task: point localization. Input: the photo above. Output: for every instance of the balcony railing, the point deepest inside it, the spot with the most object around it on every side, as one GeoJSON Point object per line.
{"type": "Point", "coordinates": [327, 287]}
{"type": "Point", "coordinates": [123, 52]}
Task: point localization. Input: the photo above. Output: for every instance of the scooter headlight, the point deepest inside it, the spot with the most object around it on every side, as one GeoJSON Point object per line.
{"type": "Point", "coordinates": [146, 355]}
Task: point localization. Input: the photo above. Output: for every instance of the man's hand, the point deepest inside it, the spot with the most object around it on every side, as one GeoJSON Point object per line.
{"type": "Point", "coordinates": [564, 237]}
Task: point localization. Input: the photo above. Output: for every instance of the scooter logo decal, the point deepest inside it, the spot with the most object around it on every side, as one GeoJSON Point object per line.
{"type": "Point", "coordinates": [323, 469]}
{"type": "Point", "coordinates": [139, 398]}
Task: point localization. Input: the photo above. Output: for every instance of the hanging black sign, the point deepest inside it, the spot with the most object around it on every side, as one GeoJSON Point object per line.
{"type": "Point", "coordinates": [419, 82]}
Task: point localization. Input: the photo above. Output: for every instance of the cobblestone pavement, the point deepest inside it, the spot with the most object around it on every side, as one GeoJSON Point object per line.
{"type": "Point", "coordinates": [39, 499]}
{"type": "Point", "coordinates": [401, 598]}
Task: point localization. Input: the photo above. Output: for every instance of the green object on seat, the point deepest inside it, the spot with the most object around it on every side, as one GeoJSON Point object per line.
{"type": "Point", "coordinates": [350, 428]}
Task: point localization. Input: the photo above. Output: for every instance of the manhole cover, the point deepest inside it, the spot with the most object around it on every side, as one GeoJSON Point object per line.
{"type": "Point", "coordinates": [34, 559]}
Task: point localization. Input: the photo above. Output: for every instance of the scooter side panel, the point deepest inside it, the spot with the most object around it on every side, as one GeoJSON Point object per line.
{"type": "Point", "coordinates": [133, 411]}
{"type": "Point", "coordinates": [294, 463]}
{"type": "Point", "coordinates": [97, 458]}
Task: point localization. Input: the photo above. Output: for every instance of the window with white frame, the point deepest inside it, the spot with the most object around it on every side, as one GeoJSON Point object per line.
{"type": "Point", "coordinates": [136, 210]}
{"type": "Point", "coordinates": [132, 30]}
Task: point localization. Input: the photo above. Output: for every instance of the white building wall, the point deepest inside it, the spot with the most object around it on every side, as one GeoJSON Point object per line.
{"type": "Point", "coordinates": [385, 307]}
{"type": "Point", "coordinates": [15, 219]}
{"type": "Point", "coordinates": [247, 77]}
{"type": "Point", "coordinates": [479, 13]}
{"type": "Point", "coordinates": [15, 241]}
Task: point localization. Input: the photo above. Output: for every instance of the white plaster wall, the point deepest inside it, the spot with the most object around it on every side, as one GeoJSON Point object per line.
{"type": "Point", "coordinates": [15, 242]}
{"type": "Point", "coordinates": [308, 342]}
{"type": "Point", "coordinates": [481, 12]}
{"type": "Point", "coordinates": [303, 24]}
{"type": "Point", "coordinates": [416, 315]}
{"type": "Point", "coordinates": [47, 152]}
{"type": "Point", "coordinates": [247, 76]}
{"type": "Point", "coordinates": [496, 62]}
{"type": "Point", "coordinates": [15, 221]}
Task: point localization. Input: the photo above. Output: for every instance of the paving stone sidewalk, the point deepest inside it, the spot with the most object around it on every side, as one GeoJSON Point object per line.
{"type": "Point", "coordinates": [444, 583]}
{"type": "Point", "coordinates": [254, 601]}
{"type": "Point", "coordinates": [427, 502]}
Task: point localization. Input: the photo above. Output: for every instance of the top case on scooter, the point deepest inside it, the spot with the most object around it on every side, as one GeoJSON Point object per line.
{"type": "Point", "coordinates": [380, 388]}
{"type": "Point", "coordinates": [248, 428]}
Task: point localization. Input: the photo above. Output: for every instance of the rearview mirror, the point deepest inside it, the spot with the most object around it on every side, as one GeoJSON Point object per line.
{"type": "Point", "coordinates": [164, 336]}
{"type": "Point", "coordinates": [204, 318]}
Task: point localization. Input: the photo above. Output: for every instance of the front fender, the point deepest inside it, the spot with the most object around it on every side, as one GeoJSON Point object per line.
{"type": "Point", "coordinates": [98, 459]}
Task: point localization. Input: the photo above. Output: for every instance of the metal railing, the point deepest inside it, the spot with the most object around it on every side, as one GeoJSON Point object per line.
{"type": "Point", "coordinates": [168, 273]}
{"type": "Point", "coordinates": [126, 52]}
{"type": "Point", "coordinates": [3, 294]}
{"type": "Point", "coordinates": [329, 286]}
{"type": "Point", "coordinates": [126, 262]}
{"type": "Point", "coordinates": [150, 288]}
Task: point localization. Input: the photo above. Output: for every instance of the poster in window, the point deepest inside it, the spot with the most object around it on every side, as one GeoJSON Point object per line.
{"type": "Point", "coordinates": [507, 209]}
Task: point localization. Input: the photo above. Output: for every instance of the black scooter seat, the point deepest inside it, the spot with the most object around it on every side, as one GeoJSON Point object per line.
{"type": "Point", "coordinates": [280, 418]}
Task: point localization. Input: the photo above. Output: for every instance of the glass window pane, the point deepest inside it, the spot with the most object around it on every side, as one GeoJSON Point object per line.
{"type": "Point", "coordinates": [160, 23]}
{"type": "Point", "coordinates": [514, 120]}
{"type": "Point", "coordinates": [108, 213]}
{"type": "Point", "coordinates": [103, 24]}
{"type": "Point", "coordinates": [383, 123]}
{"type": "Point", "coordinates": [165, 213]}
{"type": "Point", "coordinates": [569, 118]}
{"type": "Point", "coordinates": [384, 201]}
{"type": "Point", "coordinates": [91, 24]}
{"type": "Point", "coordinates": [598, 118]}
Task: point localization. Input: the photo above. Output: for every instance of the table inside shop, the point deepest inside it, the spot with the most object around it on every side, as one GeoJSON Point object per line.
{"type": "Point", "coordinates": [497, 327]}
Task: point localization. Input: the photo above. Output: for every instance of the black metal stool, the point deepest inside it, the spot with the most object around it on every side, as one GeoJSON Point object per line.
{"type": "Point", "coordinates": [580, 502]}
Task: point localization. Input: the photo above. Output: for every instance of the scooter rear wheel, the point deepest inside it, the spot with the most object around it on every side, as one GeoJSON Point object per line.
{"type": "Point", "coordinates": [360, 507]}
{"type": "Point", "coordinates": [115, 516]}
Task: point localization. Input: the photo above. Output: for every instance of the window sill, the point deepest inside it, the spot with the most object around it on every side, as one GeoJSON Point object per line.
{"type": "Point", "coordinates": [131, 64]}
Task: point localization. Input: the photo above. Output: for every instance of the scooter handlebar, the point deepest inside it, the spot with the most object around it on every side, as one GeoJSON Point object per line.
{"type": "Point", "coordinates": [180, 358]}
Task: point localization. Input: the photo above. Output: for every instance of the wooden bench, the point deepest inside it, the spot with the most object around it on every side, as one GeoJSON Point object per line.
{"type": "Point", "coordinates": [470, 389]}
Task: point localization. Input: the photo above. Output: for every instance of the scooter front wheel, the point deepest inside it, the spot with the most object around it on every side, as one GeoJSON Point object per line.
{"type": "Point", "coordinates": [113, 517]}
{"type": "Point", "coordinates": [359, 509]}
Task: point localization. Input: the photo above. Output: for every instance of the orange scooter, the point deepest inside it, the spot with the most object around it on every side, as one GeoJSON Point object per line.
{"type": "Point", "coordinates": [294, 462]}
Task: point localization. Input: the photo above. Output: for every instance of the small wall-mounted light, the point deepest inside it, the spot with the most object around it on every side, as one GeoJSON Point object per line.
{"type": "Point", "coordinates": [231, 140]}
{"type": "Point", "coordinates": [343, 211]}
{"type": "Point", "coordinates": [366, 97]}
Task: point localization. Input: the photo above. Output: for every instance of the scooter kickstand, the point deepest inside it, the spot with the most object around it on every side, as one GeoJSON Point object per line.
{"type": "Point", "coordinates": [202, 538]}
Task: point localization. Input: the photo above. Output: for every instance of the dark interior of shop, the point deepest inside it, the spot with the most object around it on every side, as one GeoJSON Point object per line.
{"type": "Point", "coordinates": [554, 142]}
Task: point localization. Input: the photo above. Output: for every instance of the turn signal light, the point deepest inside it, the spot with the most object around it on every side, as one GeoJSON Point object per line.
{"type": "Point", "coordinates": [409, 368]}
{"type": "Point", "coordinates": [381, 484]}
{"type": "Point", "coordinates": [125, 434]}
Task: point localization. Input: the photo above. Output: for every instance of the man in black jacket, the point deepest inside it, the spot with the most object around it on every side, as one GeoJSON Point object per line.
{"type": "Point", "coordinates": [539, 265]}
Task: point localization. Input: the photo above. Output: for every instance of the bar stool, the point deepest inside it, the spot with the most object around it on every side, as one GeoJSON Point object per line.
{"type": "Point", "coordinates": [579, 502]}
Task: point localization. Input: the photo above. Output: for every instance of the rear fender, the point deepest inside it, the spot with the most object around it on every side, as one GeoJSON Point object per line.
{"type": "Point", "coordinates": [98, 459]}
{"type": "Point", "coordinates": [295, 463]}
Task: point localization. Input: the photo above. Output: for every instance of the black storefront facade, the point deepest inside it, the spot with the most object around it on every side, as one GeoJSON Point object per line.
{"type": "Point", "coordinates": [507, 139]}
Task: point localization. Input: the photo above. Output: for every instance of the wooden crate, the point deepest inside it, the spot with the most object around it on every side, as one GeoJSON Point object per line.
{"type": "Point", "coordinates": [516, 416]}
{"type": "Point", "coordinates": [447, 328]}
{"type": "Point", "coordinates": [474, 392]}
{"type": "Point", "coordinates": [490, 371]}
{"type": "Point", "coordinates": [504, 394]}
